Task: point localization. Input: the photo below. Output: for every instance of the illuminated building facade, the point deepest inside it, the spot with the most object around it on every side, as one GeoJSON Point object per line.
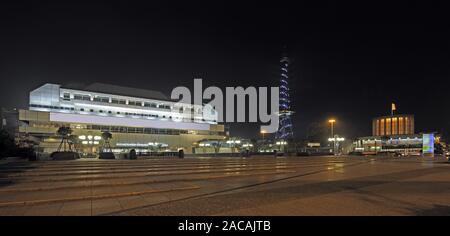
{"type": "Point", "coordinates": [393, 133]}
{"type": "Point", "coordinates": [285, 131]}
{"type": "Point", "coordinates": [393, 125]}
{"type": "Point", "coordinates": [138, 119]}
{"type": "Point", "coordinates": [406, 144]}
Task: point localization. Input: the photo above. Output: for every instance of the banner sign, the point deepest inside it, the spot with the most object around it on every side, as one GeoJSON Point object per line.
{"type": "Point", "coordinates": [428, 144]}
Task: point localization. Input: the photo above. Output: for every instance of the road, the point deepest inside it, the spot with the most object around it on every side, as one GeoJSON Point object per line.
{"type": "Point", "coordinates": [228, 186]}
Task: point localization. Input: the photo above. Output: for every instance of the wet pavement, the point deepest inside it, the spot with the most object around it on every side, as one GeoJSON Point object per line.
{"type": "Point", "coordinates": [228, 186]}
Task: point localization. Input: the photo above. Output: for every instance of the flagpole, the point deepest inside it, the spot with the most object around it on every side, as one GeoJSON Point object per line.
{"type": "Point", "coordinates": [392, 108]}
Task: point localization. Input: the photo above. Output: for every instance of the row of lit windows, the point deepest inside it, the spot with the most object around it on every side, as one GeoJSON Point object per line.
{"type": "Point", "coordinates": [110, 112]}
{"type": "Point", "coordinates": [123, 129]}
{"type": "Point", "coordinates": [134, 130]}
{"type": "Point", "coordinates": [393, 126]}
{"type": "Point", "coordinates": [81, 97]}
{"type": "Point", "coordinates": [53, 107]}
{"type": "Point", "coordinates": [140, 114]}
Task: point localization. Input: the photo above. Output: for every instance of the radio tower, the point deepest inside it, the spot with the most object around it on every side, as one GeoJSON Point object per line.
{"type": "Point", "coordinates": [285, 123]}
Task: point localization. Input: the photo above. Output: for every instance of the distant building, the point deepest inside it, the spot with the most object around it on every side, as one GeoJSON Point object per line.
{"type": "Point", "coordinates": [138, 119]}
{"type": "Point", "coordinates": [407, 144]}
{"type": "Point", "coordinates": [9, 120]}
{"type": "Point", "coordinates": [393, 133]}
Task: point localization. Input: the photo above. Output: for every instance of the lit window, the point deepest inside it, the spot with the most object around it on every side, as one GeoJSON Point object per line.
{"type": "Point", "coordinates": [406, 125]}
{"type": "Point", "coordinates": [401, 127]}
{"type": "Point", "coordinates": [388, 126]}
{"type": "Point", "coordinates": [101, 99]}
{"type": "Point", "coordinates": [66, 96]}
{"type": "Point", "coordinates": [394, 126]}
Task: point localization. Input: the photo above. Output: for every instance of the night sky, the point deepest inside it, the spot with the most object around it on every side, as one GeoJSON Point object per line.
{"type": "Point", "coordinates": [349, 61]}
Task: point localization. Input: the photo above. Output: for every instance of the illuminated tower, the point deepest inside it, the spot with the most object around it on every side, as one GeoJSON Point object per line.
{"type": "Point", "coordinates": [285, 123]}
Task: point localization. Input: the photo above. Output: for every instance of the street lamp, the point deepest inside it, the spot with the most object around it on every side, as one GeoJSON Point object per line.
{"type": "Point", "coordinates": [263, 132]}
{"type": "Point", "coordinates": [332, 121]}
{"type": "Point", "coordinates": [336, 140]}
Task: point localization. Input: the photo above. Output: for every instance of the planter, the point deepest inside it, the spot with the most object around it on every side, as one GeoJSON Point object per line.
{"type": "Point", "coordinates": [63, 156]}
{"type": "Point", "coordinates": [106, 155]}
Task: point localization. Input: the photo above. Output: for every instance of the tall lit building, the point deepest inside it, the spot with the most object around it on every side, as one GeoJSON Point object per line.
{"type": "Point", "coordinates": [138, 119]}
{"type": "Point", "coordinates": [285, 122]}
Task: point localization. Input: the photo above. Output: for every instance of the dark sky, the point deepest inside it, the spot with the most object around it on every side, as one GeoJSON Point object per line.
{"type": "Point", "coordinates": [349, 60]}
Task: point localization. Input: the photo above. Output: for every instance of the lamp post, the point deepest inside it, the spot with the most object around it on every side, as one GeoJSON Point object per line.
{"type": "Point", "coordinates": [262, 146]}
{"type": "Point", "coordinates": [263, 132]}
{"type": "Point", "coordinates": [332, 121]}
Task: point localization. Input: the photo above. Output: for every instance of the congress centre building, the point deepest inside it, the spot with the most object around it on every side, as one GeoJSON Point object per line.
{"type": "Point", "coordinates": [137, 119]}
{"type": "Point", "coordinates": [394, 133]}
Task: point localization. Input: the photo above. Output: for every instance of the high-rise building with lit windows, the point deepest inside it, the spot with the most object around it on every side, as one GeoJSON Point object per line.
{"type": "Point", "coordinates": [138, 119]}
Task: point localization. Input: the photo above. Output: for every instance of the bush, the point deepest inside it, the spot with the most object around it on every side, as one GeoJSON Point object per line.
{"type": "Point", "coordinates": [7, 145]}
{"type": "Point", "coordinates": [25, 152]}
{"type": "Point", "coordinates": [8, 148]}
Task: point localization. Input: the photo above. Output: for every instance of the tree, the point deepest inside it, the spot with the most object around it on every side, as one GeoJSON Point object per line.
{"type": "Point", "coordinates": [446, 133]}
{"type": "Point", "coordinates": [7, 145]}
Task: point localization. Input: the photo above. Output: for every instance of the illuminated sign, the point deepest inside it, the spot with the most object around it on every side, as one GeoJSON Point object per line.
{"type": "Point", "coordinates": [428, 144]}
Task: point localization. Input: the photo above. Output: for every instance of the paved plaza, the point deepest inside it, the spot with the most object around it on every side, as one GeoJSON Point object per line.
{"type": "Point", "coordinates": [228, 186]}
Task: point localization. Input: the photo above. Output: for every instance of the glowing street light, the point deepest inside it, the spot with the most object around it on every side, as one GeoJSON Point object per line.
{"type": "Point", "coordinates": [332, 121]}
{"type": "Point", "coordinates": [281, 143]}
{"type": "Point", "coordinates": [336, 139]}
{"type": "Point", "coordinates": [263, 132]}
